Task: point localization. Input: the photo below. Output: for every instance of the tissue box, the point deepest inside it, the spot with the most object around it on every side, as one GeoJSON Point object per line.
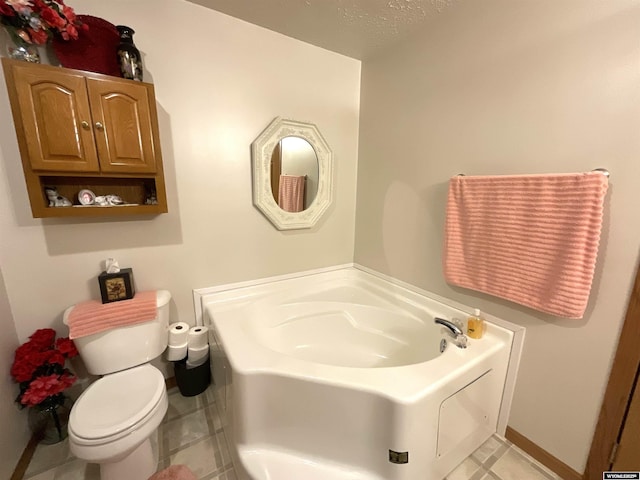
{"type": "Point", "coordinates": [116, 286]}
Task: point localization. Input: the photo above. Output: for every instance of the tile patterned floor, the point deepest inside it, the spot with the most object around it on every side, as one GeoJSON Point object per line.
{"type": "Point", "coordinates": [192, 434]}
{"type": "Point", "coordinates": [498, 459]}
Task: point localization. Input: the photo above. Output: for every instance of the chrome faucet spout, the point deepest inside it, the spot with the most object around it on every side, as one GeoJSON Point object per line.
{"type": "Point", "coordinates": [453, 328]}
{"type": "Point", "coordinates": [459, 338]}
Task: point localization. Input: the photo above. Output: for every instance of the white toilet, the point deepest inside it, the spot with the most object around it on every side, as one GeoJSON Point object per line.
{"type": "Point", "coordinates": [115, 421]}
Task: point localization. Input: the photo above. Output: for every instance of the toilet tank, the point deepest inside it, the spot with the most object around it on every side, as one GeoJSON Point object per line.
{"type": "Point", "coordinates": [125, 347]}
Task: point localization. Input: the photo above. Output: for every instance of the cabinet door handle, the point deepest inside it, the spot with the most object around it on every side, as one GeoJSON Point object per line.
{"type": "Point", "coordinates": [99, 126]}
{"type": "Point", "coordinates": [85, 125]}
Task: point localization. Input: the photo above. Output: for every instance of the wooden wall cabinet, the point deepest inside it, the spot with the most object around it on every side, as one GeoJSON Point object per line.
{"type": "Point", "coordinates": [80, 130]}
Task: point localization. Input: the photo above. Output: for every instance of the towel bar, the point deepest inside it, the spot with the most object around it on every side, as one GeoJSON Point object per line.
{"type": "Point", "coordinates": [604, 171]}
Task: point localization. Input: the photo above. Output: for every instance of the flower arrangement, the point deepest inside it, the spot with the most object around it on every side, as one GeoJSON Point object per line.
{"type": "Point", "coordinates": [39, 368]}
{"type": "Point", "coordinates": [37, 21]}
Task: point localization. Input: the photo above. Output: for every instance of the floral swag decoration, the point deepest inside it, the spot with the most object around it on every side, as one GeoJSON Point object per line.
{"type": "Point", "coordinates": [38, 21]}
{"type": "Point", "coordinates": [39, 368]}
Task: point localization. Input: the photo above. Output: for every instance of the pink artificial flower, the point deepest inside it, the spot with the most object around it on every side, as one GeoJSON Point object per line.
{"type": "Point", "coordinates": [46, 386]}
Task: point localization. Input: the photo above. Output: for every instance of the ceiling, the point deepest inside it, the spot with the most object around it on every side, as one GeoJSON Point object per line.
{"type": "Point", "coordinates": [356, 28]}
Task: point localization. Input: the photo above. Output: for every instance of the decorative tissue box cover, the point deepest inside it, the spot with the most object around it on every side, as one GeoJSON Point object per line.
{"type": "Point", "coordinates": [116, 286]}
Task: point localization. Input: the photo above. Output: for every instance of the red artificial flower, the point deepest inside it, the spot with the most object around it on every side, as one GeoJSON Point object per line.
{"type": "Point", "coordinates": [72, 32]}
{"type": "Point", "coordinates": [52, 18]}
{"type": "Point", "coordinates": [27, 362]}
{"type": "Point", "coordinates": [25, 365]}
{"type": "Point", "coordinates": [39, 367]}
{"type": "Point", "coordinates": [66, 347]}
{"type": "Point", "coordinates": [25, 349]}
{"type": "Point", "coordinates": [43, 338]}
{"type": "Point", "coordinates": [22, 371]}
{"type": "Point", "coordinates": [37, 21]}
{"type": "Point", "coordinates": [69, 14]}
{"type": "Point", "coordinates": [6, 10]}
{"type": "Point", "coordinates": [54, 356]}
{"type": "Point", "coordinates": [39, 37]}
{"type": "Point", "coordinates": [39, 358]}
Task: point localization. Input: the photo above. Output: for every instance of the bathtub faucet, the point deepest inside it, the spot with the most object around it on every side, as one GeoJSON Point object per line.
{"type": "Point", "coordinates": [459, 338]}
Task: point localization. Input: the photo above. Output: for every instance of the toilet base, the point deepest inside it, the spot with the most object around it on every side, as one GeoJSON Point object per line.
{"type": "Point", "coordinates": [139, 464]}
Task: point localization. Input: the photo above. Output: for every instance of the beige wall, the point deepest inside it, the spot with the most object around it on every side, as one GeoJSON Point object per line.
{"type": "Point", "coordinates": [14, 432]}
{"type": "Point", "coordinates": [219, 82]}
{"type": "Point", "coordinates": [503, 87]}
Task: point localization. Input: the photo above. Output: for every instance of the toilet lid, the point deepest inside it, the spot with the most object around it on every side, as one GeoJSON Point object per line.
{"type": "Point", "coordinates": [116, 402]}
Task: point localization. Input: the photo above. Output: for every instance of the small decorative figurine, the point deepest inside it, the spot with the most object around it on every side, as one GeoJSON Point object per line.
{"type": "Point", "coordinates": [151, 198]}
{"type": "Point", "coordinates": [109, 200]}
{"type": "Point", "coordinates": [56, 200]}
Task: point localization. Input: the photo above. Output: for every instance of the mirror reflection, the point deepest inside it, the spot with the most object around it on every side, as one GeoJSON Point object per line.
{"type": "Point", "coordinates": [294, 174]}
{"type": "Point", "coordinates": [292, 156]}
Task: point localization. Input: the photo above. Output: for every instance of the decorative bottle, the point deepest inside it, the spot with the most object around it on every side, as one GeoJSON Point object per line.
{"type": "Point", "coordinates": [128, 55]}
{"type": "Point", "coordinates": [475, 325]}
{"type": "Point", "coordinates": [18, 48]}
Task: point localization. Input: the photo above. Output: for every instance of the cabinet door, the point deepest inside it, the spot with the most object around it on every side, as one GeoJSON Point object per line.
{"type": "Point", "coordinates": [123, 125]}
{"type": "Point", "coordinates": [56, 119]}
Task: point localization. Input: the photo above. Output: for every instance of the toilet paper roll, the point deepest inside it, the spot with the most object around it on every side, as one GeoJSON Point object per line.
{"type": "Point", "coordinates": [178, 334]}
{"type": "Point", "coordinates": [194, 355]}
{"type": "Point", "coordinates": [177, 352]}
{"type": "Point", "coordinates": [195, 364]}
{"type": "Point", "coordinates": [198, 337]}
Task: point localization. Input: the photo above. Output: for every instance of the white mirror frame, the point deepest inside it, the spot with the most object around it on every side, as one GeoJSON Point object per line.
{"type": "Point", "coordinates": [261, 151]}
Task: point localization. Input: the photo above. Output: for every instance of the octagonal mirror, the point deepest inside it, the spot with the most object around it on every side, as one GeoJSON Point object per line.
{"type": "Point", "coordinates": [292, 174]}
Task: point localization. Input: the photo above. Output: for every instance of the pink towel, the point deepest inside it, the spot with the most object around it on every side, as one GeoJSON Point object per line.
{"type": "Point", "coordinates": [291, 193]}
{"type": "Point", "coordinates": [174, 472]}
{"type": "Point", "coordinates": [92, 316]}
{"type": "Point", "coordinates": [530, 239]}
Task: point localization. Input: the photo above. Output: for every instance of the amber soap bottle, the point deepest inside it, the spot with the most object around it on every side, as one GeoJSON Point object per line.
{"type": "Point", "coordinates": [475, 325]}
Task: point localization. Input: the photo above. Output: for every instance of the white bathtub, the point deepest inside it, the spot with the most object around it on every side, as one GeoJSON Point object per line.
{"type": "Point", "coordinates": [339, 375]}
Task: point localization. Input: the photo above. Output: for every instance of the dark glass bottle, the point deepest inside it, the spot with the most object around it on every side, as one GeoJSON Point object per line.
{"type": "Point", "coordinates": [128, 55]}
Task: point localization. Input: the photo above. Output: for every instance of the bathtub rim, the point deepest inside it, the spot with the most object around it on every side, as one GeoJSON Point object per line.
{"type": "Point", "coordinates": [200, 295]}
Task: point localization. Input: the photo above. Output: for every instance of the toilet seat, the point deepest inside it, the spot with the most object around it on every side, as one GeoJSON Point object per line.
{"type": "Point", "coordinates": [116, 404]}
